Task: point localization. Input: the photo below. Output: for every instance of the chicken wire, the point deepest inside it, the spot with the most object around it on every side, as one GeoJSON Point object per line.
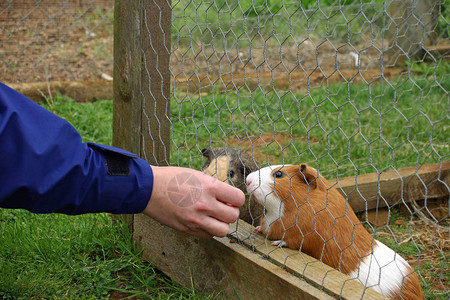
{"type": "Point", "coordinates": [347, 87]}
{"type": "Point", "coordinates": [44, 40]}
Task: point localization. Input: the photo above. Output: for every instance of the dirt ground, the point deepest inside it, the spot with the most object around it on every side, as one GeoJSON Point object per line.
{"type": "Point", "coordinates": [55, 41]}
{"type": "Point", "coordinates": [73, 41]}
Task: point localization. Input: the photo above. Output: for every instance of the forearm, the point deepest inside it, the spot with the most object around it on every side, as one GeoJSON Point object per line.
{"type": "Point", "coordinates": [45, 167]}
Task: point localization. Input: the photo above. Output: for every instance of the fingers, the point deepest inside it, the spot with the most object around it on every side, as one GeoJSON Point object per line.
{"type": "Point", "coordinates": [224, 213]}
{"type": "Point", "coordinates": [228, 194]}
{"type": "Point", "coordinates": [205, 226]}
{"type": "Point", "coordinates": [190, 201]}
{"type": "Point", "coordinates": [219, 205]}
{"type": "Point", "coordinates": [214, 228]}
{"type": "Point", "coordinates": [219, 229]}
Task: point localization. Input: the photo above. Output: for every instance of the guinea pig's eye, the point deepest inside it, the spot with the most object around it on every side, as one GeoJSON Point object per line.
{"type": "Point", "coordinates": [278, 174]}
{"type": "Point", "coordinates": [231, 174]}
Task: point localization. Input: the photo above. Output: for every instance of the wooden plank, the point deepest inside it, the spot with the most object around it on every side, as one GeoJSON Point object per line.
{"type": "Point", "coordinates": [79, 91]}
{"type": "Point", "coordinates": [156, 36]}
{"type": "Point", "coordinates": [389, 188]}
{"type": "Point", "coordinates": [217, 265]}
{"type": "Point", "coordinates": [442, 49]}
{"type": "Point", "coordinates": [413, 25]}
{"type": "Point", "coordinates": [127, 79]}
{"type": "Point", "coordinates": [295, 80]}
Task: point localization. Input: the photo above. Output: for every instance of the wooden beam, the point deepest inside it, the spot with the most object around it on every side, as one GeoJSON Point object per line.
{"type": "Point", "coordinates": [127, 97]}
{"type": "Point", "coordinates": [79, 91]}
{"type": "Point", "coordinates": [220, 265]}
{"type": "Point", "coordinates": [442, 49]}
{"type": "Point", "coordinates": [156, 37]}
{"type": "Point", "coordinates": [369, 191]}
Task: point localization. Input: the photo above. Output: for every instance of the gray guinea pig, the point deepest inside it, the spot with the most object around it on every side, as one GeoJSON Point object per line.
{"type": "Point", "coordinates": [232, 166]}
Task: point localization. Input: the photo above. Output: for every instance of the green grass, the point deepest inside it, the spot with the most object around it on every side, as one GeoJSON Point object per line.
{"type": "Point", "coordinates": [93, 120]}
{"type": "Point", "coordinates": [71, 257]}
{"type": "Point", "coordinates": [229, 25]}
{"type": "Point", "coordinates": [344, 129]}
{"type": "Point", "coordinates": [56, 256]}
{"type": "Point", "coordinates": [439, 271]}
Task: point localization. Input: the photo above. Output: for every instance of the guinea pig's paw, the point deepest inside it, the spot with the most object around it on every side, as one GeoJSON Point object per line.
{"type": "Point", "coordinates": [258, 229]}
{"type": "Point", "coordinates": [279, 243]}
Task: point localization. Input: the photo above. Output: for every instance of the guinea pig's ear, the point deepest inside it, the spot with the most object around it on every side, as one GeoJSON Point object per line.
{"type": "Point", "coordinates": [207, 152]}
{"type": "Point", "coordinates": [246, 170]}
{"type": "Point", "coordinates": [248, 163]}
{"type": "Point", "coordinates": [309, 178]}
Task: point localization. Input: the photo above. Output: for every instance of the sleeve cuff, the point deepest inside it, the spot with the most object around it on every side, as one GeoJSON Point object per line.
{"type": "Point", "coordinates": [125, 191]}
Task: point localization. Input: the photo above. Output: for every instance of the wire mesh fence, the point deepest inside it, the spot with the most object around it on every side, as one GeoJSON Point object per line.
{"type": "Point", "coordinates": [346, 87]}
{"type": "Point", "coordinates": [44, 40]}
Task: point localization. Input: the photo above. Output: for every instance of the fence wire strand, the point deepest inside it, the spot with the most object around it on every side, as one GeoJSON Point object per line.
{"type": "Point", "coordinates": [347, 87]}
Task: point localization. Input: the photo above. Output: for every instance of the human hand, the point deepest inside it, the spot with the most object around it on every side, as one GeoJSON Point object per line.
{"type": "Point", "coordinates": [192, 202]}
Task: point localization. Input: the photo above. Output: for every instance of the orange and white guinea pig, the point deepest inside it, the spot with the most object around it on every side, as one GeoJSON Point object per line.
{"type": "Point", "coordinates": [303, 211]}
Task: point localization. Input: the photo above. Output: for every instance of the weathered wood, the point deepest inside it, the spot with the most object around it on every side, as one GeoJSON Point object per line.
{"type": "Point", "coordinates": [80, 91]}
{"type": "Point", "coordinates": [127, 78]}
{"type": "Point", "coordinates": [413, 26]}
{"type": "Point", "coordinates": [218, 265]}
{"type": "Point", "coordinates": [294, 80]}
{"type": "Point", "coordinates": [301, 265]}
{"type": "Point", "coordinates": [442, 49]}
{"type": "Point", "coordinates": [156, 35]}
{"type": "Point", "coordinates": [374, 190]}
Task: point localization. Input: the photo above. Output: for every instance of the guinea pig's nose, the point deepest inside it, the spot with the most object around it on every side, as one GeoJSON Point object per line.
{"type": "Point", "coordinates": [248, 181]}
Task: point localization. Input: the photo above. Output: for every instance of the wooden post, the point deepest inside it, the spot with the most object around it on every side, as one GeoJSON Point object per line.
{"type": "Point", "coordinates": [141, 121]}
{"type": "Point", "coordinates": [127, 79]}
{"type": "Point", "coordinates": [156, 35]}
{"type": "Point", "coordinates": [413, 26]}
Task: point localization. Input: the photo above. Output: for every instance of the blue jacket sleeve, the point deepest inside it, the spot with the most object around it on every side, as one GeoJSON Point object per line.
{"type": "Point", "coordinates": [45, 167]}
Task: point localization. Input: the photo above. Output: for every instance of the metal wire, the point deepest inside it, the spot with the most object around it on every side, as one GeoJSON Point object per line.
{"type": "Point", "coordinates": [347, 87]}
